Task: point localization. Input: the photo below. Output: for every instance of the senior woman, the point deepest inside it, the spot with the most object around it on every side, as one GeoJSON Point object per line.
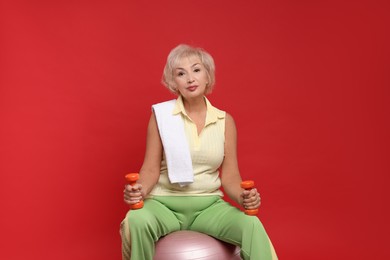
{"type": "Point", "coordinates": [189, 142]}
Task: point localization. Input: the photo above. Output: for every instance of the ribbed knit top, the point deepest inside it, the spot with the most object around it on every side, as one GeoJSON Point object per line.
{"type": "Point", "coordinates": [207, 154]}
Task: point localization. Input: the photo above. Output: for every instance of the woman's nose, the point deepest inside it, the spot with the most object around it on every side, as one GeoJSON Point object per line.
{"type": "Point", "coordinates": [190, 79]}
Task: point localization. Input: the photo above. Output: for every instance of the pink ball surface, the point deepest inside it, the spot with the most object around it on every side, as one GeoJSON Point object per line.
{"type": "Point", "coordinates": [186, 245]}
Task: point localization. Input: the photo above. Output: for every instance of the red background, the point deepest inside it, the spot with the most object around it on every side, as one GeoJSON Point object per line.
{"type": "Point", "coordinates": [306, 81]}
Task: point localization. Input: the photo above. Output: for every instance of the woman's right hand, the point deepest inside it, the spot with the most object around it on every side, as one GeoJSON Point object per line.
{"type": "Point", "coordinates": [132, 194]}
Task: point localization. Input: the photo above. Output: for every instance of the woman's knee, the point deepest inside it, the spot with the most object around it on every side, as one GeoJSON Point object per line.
{"type": "Point", "coordinates": [136, 220]}
{"type": "Point", "coordinates": [250, 223]}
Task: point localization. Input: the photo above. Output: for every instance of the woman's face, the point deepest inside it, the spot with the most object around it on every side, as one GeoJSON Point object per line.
{"type": "Point", "coordinates": [190, 77]}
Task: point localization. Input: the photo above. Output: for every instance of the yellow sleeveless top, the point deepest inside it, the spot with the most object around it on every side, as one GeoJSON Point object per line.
{"type": "Point", "coordinates": [207, 154]}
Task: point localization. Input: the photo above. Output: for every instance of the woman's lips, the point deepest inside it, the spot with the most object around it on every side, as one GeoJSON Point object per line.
{"type": "Point", "coordinates": [192, 88]}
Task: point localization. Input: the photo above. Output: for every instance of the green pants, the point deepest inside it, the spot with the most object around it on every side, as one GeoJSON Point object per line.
{"type": "Point", "coordinates": [210, 215]}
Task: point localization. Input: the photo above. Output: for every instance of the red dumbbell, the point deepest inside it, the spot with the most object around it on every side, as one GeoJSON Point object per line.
{"type": "Point", "coordinates": [132, 179]}
{"type": "Point", "coordinates": [248, 185]}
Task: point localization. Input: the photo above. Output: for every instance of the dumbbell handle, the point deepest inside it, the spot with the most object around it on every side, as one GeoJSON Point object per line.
{"type": "Point", "coordinates": [132, 180]}
{"type": "Point", "coordinates": [248, 185]}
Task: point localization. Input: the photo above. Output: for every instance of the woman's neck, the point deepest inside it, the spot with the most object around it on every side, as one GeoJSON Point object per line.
{"type": "Point", "coordinates": [196, 110]}
{"type": "Point", "coordinates": [194, 105]}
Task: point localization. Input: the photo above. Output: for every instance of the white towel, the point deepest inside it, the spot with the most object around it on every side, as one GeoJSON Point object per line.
{"type": "Point", "coordinates": [177, 151]}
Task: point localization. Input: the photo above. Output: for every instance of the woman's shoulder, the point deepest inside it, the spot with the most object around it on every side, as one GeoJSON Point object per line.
{"type": "Point", "coordinates": [229, 119]}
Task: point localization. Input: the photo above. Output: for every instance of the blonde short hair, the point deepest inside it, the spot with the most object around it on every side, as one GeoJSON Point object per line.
{"type": "Point", "coordinates": [180, 52]}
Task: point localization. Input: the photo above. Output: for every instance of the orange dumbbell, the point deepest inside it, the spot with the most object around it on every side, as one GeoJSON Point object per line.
{"type": "Point", "coordinates": [248, 185]}
{"type": "Point", "coordinates": [132, 179]}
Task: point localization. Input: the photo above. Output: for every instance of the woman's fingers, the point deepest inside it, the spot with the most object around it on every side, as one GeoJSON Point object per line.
{"type": "Point", "coordinates": [132, 194]}
{"type": "Point", "coordinates": [252, 199]}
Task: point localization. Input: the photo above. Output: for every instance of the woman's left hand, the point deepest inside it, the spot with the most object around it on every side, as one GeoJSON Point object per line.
{"type": "Point", "coordinates": [251, 199]}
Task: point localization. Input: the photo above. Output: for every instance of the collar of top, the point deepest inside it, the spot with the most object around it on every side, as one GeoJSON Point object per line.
{"type": "Point", "coordinates": [212, 114]}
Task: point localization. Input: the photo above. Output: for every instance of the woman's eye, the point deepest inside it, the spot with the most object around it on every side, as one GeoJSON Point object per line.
{"type": "Point", "coordinates": [196, 70]}
{"type": "Point", "coordinates": [180, 74]}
